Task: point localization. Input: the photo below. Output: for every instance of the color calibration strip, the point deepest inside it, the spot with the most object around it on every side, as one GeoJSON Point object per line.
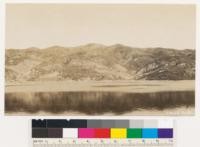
{"type": "Point", "coordinates": [92, 129]}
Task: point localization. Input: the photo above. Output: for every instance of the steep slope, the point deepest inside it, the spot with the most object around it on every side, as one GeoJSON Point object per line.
{"type": "Point", "coordinates": [99, 62]}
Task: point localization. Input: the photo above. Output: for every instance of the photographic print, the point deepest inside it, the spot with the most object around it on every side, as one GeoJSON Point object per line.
{"type": "Point", "coordinates": [100, 59]}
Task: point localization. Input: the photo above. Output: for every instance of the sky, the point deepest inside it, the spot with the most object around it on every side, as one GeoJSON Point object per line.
{"type": "Point", "coordinates": [137, 25]}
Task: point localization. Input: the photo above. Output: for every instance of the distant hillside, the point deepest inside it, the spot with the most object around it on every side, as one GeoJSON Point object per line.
{"type": "Point", "coordinates": [99, 62]}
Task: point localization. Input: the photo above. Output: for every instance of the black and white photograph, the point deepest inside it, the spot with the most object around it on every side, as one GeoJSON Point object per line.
{"type": "Point", "coordinates": [100, 59]}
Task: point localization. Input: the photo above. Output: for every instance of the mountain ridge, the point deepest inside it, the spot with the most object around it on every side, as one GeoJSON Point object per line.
{"type": "Point", "coordinates": [99, 62]}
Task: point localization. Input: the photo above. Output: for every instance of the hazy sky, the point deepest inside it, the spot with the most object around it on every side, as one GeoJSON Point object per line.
{"type": "Point", "coordinates": [44, 25]}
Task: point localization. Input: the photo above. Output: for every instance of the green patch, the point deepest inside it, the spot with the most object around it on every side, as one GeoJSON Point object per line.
{"type": "Point", "coordinates": [134, 133]}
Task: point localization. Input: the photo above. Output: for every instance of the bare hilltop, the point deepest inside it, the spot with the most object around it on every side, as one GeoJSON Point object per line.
{"type": "Point", "coordinates": [99, 62]}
